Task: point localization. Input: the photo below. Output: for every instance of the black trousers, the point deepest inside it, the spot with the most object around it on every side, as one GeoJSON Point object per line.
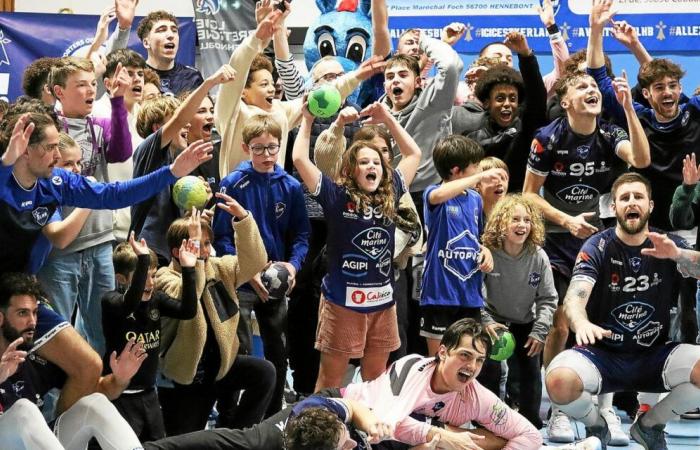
{"type": "Point", "coordinates": [186, 407]}
{"type": "Point", "coordinates": [142, 411]}
{"type": "Point", "coordinates": [530, 395]}
{"type": "Point", "coordinates": [272, 320]}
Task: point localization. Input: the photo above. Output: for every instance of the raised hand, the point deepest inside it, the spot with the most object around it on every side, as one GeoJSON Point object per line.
{"type": "Point", "coordinates": [129, 361]}
{"type": "Point", "coordinates": [191, 157]}
{"type": "Point", "coordinates": [194, 224]}
{"type": "Point", "coordinates": [139, 247]}
{"type": "Point", "coordinates": [664, 247]}
{"type": "Point", "coordinates": [11, 359]}
{"type": "Point", "coordinates": [691, 171]}
{"type": "Point", "coordinates": [120, 82]}
{"type": "Point", "coordinates": [624, 33]}
{"type": "Point", "coordinates": [189, 252]}
{"type": "Point", "coordinates": [224, 74]}
{"type": "Point", "coordinates": [623, 93]}
{"type": "Point", "coordinates": [347, 115]}
{"type": "Point", "coordinates": [517, 43]}
{"type": "Point", "coordinates": [546, 13]}
{"type": "Point", "coordinates": [452, 33]}
{"type": "Point", "coordinates": [102, 30]}
{"type": "Point", "coordinates": [376, 113]}
{"type": "Point", "coordinates": [262, 9]}
{"type": "Point", "coordinates": [579, 227]}
{"type": "Point", "coordinates": [268, 26]}
{"type": "Point", "coordinates": [18, 141]}
{"type": "Point", "coordinates": [231, 206]}
{"type": "Point", "coordinates": [493, 176]}
{"type": "Point", "coordinates": [125, 10]}
{"type": "Point", "coordinates": [601, 13]}
{"type": "Point", "coordinates": [369, 67]}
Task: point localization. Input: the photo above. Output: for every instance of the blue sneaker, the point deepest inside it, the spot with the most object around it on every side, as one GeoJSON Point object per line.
{"type": "Point", "coordinates": [651, 438]}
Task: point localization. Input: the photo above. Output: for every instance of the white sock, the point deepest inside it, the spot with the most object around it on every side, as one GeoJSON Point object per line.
{"type": "Point", "coordinates": [605, 401]}
{"type": "Point", "coordinates": [682, 398]}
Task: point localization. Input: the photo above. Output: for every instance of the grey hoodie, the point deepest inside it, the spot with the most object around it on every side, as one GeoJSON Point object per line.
{"type": "Point", "coordinates": [520, 290]}
{"type": "Point", "coordinates": [427, 118]}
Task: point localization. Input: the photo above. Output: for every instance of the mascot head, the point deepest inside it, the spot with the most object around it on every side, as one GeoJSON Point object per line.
{"type": "Point", "coordinates": [342, 30]}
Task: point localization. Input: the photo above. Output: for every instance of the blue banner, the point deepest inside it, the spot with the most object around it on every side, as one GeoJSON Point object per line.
{"type": "Point", "coordinates": [25, 37]}
{"type": "Point", "coordinates": [663, 25]}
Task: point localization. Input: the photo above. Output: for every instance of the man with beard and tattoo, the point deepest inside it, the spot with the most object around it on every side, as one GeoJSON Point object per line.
{"type": "Point", "coordinates": [25, 377]}
{"type": "Point", "coordinates": [618, 304]}
{"type": "Point", "coordinates": [569, 167]}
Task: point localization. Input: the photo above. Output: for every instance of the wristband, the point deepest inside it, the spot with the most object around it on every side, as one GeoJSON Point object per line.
{"type": "Point", "coordinates": [553, 29]}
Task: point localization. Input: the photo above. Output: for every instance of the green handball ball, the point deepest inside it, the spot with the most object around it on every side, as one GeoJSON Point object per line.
{"type": "Point", "coordinates": [190, 191]}
{"type": "Point", "coordinates": [324, 101]}
{"type": "Point", "coordinates": [503, 347]}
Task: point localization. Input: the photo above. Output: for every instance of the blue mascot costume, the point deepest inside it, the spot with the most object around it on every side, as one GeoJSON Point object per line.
{"type": "Point", "coordinates": [342, 30]}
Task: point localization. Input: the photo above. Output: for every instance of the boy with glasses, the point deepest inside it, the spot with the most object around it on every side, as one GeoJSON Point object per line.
{"type": "Point", "coordinates": [276, 201]}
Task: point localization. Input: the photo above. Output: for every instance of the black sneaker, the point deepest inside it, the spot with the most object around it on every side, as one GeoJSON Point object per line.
{"type": "Point", "coordinates": [650, 438]}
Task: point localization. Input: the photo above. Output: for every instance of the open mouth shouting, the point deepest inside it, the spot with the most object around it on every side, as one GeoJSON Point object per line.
{"type": "Point", "coordinates": [169, 46]}
{"type": "Point", "coordinates": [592, 100]}
{"type": "Point", "coordinates": [463, 375]}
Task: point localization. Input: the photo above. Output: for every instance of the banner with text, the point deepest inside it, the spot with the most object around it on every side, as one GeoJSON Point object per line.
{"type": "Point", "coordinates": [25, 37]}
{"type": "Point", "coordinates": [662, 25]}
{"type": "Point", "coordinates": [221, 27]}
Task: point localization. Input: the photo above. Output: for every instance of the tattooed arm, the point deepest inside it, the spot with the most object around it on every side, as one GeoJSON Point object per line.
{"type": "Point", "coordinates": [688, 261]}
{"type": "Point", "coordinates": [575, 309]}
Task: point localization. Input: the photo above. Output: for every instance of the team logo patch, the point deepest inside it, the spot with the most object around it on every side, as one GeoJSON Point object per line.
{"type": "Point", "coordinates": [648, 334]}
{"type": "Point", "coordinates": [57, 180]}
{"type": "Point", "coordinates": [635, 263]}
{"type": "Point", "coordinates": [632, 315]}
{"type": "Point", "coordinates": [582, 151]}
{"type": "Point", "coordinates": [154, 314]}
{"type": "Point", "coordinates": [536, 147]}
{"type": "Point", "coordinates": [279, 209]}
{"type": "Point", "coordinates": [41, 215]}
{"type": "Point", "coordinates": [534, 279]}
{"type": "Point", "coordinates": [208, 6]}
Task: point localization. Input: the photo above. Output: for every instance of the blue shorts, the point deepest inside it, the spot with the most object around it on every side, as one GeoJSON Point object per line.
{"type": "Point", "coordinates": [562, 250]}
{"type": "Point", "coordinates": [639, 371]}
{"type": "Point", "coordinates": [48, 324]}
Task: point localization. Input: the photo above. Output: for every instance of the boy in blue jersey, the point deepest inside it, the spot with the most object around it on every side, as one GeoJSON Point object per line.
{"type": "Point", "coordinates": [453, 214]}
{"type": "Point", "coordinates": [618, 304]}
{"type": "Point", "coordinates": [276, 200]}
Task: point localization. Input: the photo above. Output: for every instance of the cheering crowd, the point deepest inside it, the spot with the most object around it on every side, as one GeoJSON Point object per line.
{"type": "Point", "coordinates": [412, 230]}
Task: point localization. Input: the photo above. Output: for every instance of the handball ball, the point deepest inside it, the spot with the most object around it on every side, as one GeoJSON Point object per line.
{"type": "Point", "coordinates": [276, 280]}
{"type": "Point", "coordinates": [324, 101]}
{"type": "Point", "coordinates": [503, 347]}
{"type": "Point", "coordinates": [190, 191]}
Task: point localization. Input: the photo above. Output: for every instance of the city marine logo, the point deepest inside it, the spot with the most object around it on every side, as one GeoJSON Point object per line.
{"type": "Point", "coordinates": [582, 151]}
{"type": "Point", "coordinates": [372, 241]}
{"type": "Point", "coordinates": [648, 334]}
{"type": "Point", "coordinates": [41, 215]}
{"type": "Point", "coordinates": [632, 315]}
{"type": "Point", "coordinates": [461, 255]}
{"type": "Point", "coordinates": [578, 193]}
{"type": "Point", "coordinates": [635, 263]}
{"type": "Point", "coordinates": [534, 279]}
{"type": "Point", "coordinates": [354, 265]}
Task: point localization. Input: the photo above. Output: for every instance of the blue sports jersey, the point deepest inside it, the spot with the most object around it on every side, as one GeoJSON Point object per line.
{"type": "Point", "coordinates": [360, 249]}
{"type": "Point", "coordinates": [24, 212]}
{"type": "Point", "coordinates": [632, 293]}
{"type": "Point", "coordinates": [451, 276]}
{"type": "Point", "coordinates": [578, 168]}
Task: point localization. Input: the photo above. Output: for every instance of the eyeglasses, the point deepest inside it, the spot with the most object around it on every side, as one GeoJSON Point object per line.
{"type": "Point", "coordinates": [50, 148]}
{"type": "Point", "coordinates": [331, 76]}
{"type": "Point", "coordinates": [259, 149]}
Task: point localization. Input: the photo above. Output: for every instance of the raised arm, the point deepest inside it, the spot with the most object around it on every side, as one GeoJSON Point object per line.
{"type": "Point", "coordinates": [381, 44]}
{"type": "Point", "coordinates": [448, 63]}
{"type": "Point", "coordinates": [635, 151]}
{"type": "Point", "coordinates": [685, 199]}
{"type": "Point", "coordinates": [601, 14]}
{"type": "Point", "coordinates": [627, 36]}
{"type": "Point", "coordinates": [63, 232]}
{"type": "Point", "coordinates": [184, 113]}
{"type": "Point", "coordinates": [331, 143]}
{"type": "Point", "coordinates": [377, 113]}
{"type": "Point", "coordinates": [560, 51]}
{"type": "Point", "coordinates": [309, 173]}
{"type": "Point", "coordinates": [451, 189]}
{"type": "Point", "coordinates": [688, 261]}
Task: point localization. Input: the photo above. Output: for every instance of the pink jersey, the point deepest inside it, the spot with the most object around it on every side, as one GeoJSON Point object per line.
{"type": "Point", "coordinates": [405, 388]}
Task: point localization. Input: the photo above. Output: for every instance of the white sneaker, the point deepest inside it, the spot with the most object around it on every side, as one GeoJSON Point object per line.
{"type": "Point", "coordinates": [591, 443]}
{"type": "Point", "coordinates": [618, 437]}
{"type": "Point", "coordinates": [559, 428]}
